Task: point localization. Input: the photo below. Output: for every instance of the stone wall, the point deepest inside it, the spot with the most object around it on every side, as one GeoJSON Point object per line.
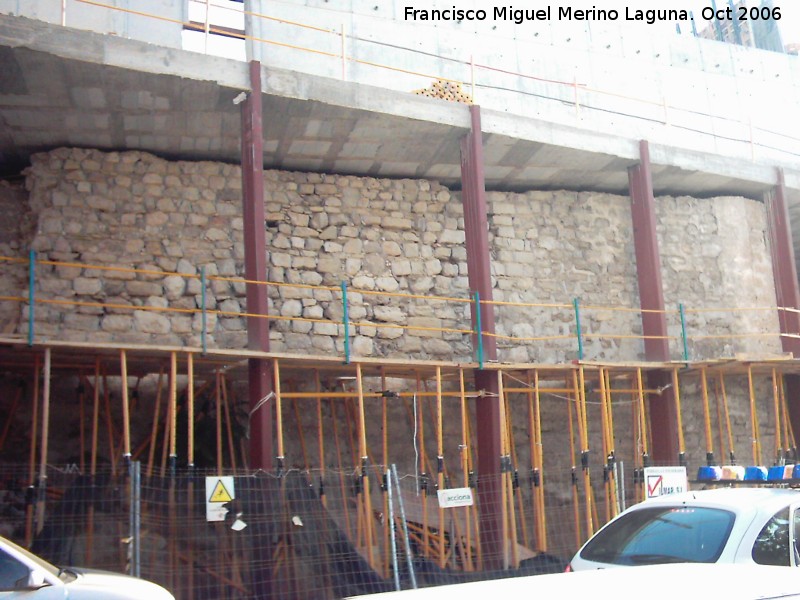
{"type": "Point", "coordinates": [16, 231]}
{"type": "Point", "coordinates": [392, 242]}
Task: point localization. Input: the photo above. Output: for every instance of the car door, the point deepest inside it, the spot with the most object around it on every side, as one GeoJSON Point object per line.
{"type": "Point", "coordinates": [778, 542]}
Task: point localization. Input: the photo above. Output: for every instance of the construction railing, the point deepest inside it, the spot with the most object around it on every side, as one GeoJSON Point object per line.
{"type": "Point", "coordinates": [543, 330]}
{"type": "Point", "coordinates": [336, 53]}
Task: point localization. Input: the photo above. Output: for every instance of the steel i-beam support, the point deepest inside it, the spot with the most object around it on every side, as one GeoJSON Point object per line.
{"type": "Point", "coordinates": [255, 269]}
{"type": "Point", "coordinates": [663, 410]}
{"type": "Point", "coordinates": [487, 405]}
{"type": "Point", "coordinates": [787, 291]}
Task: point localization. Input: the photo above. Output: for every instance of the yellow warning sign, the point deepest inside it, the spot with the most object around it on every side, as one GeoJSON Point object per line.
{"type": "Point", "coordinates": [220, 493]}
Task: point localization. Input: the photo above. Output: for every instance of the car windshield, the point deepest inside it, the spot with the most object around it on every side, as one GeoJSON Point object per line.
{"type": "Point", "coordinates": [32, 558]}
{"type": "Point", "coordinates": [662, 534]}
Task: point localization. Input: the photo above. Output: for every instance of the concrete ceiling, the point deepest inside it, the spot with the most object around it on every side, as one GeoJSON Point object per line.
{"type": "Point", "coordinates": [62, 87]}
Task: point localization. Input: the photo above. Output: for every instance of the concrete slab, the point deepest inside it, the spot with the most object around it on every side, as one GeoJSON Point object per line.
{"type": "Point", "coordinates": [61, 86]}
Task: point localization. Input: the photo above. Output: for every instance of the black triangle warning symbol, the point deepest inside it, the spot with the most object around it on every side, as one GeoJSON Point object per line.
{"type": "Point", "coordinates": [220, 493]}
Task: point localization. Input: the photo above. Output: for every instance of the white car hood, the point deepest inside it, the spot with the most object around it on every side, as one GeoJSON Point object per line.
{"type": "Point", "coordinates": [91, 584]}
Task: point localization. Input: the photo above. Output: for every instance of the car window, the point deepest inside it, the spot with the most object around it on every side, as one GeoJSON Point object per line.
{"type": "Point", "coordinates": [661, 534]}
{"type": "Point", "coordinates": [772, 544]}
{"type": "Point", "coordinates": [11, 572]}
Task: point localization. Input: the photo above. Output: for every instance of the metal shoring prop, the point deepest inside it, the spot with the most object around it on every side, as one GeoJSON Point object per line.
{"type": "Point", "coordinates": [388, 527]}
{"type": "Point", "coordinates": [81, 422]}
{"type": "Point", "coordinates": [642, 428]}
{"type": "Point", "coordinates": [173, 413]}
{"type": "Point", "coordinates": [154, 431]}
{"type": "Point", "coordinates": [342, 488]}
{"type": "Point", "coordinates": [475, 522]}
{"type": "Point", "coordinates": [607, 476]}
{"type": "Point", "coordinates": [218, 420]}
{"type": "Point", "coordinates": [541, 537]}
{"type": "Point", "coordinates": [279, 460]}
{"type": "Point", "coordinates": [320, 440]}
{"type": "Point", "coordinates": [423, 481]}
{"type": "Point", "coordinates": [172, 509]}
{"type": "Point", "coordinates": [226, 406]}
{"type": "Point", "coordinates": [753, 417]}
{"type": "Point", "coordinates": [109, 424]}
{"type": "Point", "coordinates": [613, 467]}
{"type": "Point", "coordinates": [779, 458]}
{"type": "Point", "coordinates": [707, 419]}
{"type": "Point", "coordinates": [583, 430]}
{"type": "Point", "coordinates": [717, 404]}
{"type": "Point", "coordinates": [508, 484]}
{"type": "Point", "coordinates": [362, 447]}
{"type": "Point", "coordinates": [788, 433]}
{"type": "Point", "coordinates": [533, 449]}
{"type": "Point", "coordinates": [41, 495]}
{"type": "Point", "coordinates": [300, 435]}
{"type": "Point", "coordinates": [676, 388]}
{"type": "Point", "coordinates": [732, 450]}
{"type": "Point", "coordinates": [440, 464]}
{"type": "Point", "coordinates": [29, 508]}
{"type": "Point", "coordinates": [464, 450]}
{"type": "Point", "coordinates": [574, 472]}
{"type": "Point", "coordinates": [514, 475]}
{"type": "Point", "coordinates": [93, 456]}
{"type": "Point", "coordinates": [126, 416]}
{"type": "Point", "coordinates": [636, 445]}
{"type": "Point", "coordinates": [190, 467]}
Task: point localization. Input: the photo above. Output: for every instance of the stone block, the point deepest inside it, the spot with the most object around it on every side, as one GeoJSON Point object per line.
{"type": "Point", "coordinates": [86, 287]}
{"type": "Point", "coordinates": [151, 322]}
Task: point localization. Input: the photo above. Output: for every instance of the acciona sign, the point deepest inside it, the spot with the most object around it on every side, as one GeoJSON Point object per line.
{"type": "Point", "coordinates": [455, 497]}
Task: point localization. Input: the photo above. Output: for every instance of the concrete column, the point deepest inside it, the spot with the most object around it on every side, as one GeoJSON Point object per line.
{"type": "Point", "coordinates": [488, 427]}
{"type": "Point", "coordinates": [787, 293]}
{"type": "Point", "coordinates": [254, 30]}
{"type": "Point", "coordinates": [255, 269]}
{"type": "Point", "coordinates": [663, 411]}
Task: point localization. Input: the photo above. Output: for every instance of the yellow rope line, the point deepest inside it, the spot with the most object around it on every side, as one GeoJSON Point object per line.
{"type": "Point", "coordinates": [404, 295]}
{"type": "Point", "coordinates": [527, 339]}
{"type": "Point", "coordinates": [525, 304]}
{"type": "Point", "coordinates": [13, 259]}
{"type": "Point", "coordinates": [666, 311]}
{"type": "Point", "coordinates": [13, 298]}
{"type": "Point", "coordinates": [56, 263]}
{"type": "Point", "coordinates": [601, 336]}
{"type": "Point", "coordinates": [118, 306]}
{"type": "Point", "coordinates": [410, 327]}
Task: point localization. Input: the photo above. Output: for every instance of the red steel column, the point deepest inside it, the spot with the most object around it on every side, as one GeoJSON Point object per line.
{"type": "Point", "coordinates": [784, 270]}
{"type": "Point", "coordinates": [487, 406]}
{"type": "Point", "coordinates": [255, 268]}
{"type": "Point", "coordinates": [663, 411]}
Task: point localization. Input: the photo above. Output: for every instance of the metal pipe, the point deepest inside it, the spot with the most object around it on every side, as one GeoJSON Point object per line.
{"type": "Point", "coordinates": [391, 530]}
{"type": "Point", "coordinates": [405, 528]}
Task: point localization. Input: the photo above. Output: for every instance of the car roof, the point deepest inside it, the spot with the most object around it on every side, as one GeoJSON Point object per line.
{"type": "Point", "coordinates": [735, 498]}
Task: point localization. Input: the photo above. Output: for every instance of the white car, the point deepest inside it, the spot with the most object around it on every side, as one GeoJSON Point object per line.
{"type": "Point", "coordinates": [654, 582]}
{"type": "Point", "coordinates": [725, 525]}
{"type": "Point", "coordinates": [25, 575]}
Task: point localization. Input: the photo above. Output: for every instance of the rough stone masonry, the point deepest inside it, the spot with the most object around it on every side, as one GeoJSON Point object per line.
{"type": "Point", "coordinates": [394, 243]}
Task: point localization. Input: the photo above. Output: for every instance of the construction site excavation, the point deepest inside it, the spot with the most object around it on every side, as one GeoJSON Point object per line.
{"type": "Point", "coordinates": [363, 313]}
